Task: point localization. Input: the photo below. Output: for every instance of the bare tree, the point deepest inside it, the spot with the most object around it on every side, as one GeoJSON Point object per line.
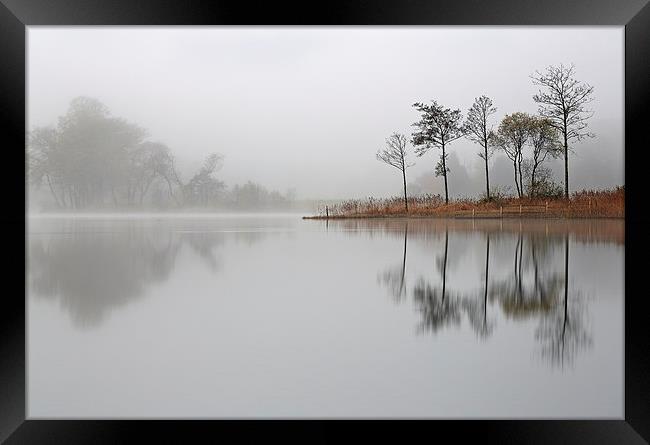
{"type": "Point", "coordinates": [544, 140]}
{"type": "Point", "coordinates": [562, 100]}
{"type": "Point", "coordinates": [476, 129]}
{"type": "Point", "coordinates": [511, 137]}
{"type": "Point", "coordinates": [438, 127]}
{"type": "Point", "coordinates": [394, 154]}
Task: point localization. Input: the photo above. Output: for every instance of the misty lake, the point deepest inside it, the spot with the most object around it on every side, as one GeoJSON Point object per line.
{"type": "Point", "coordinates": [275, 316]}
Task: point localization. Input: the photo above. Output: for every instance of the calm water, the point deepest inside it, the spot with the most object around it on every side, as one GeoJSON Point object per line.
{"type": "Point", "coordinates": [274, 316]}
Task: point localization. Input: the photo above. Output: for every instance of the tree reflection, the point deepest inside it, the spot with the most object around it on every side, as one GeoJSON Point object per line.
{"type": "Point", "coordinates": [436, 308]}
{"type": "Point", "coordinates": [515, 295]}
{"type": "Point", "coordinates": [91, 273]}
{"type": "Point", "coordinates": [562, 333]}
{"type": "Point", "coordinates": [204, 244]}
{"type": "Point", "coordinates": [533, 289]}
{"type": "Point", "coordinates": [477, 311]}
{"type": "Point", "coordinates": [393, 278]}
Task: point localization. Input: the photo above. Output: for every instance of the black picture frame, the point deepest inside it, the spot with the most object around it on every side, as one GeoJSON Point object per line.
{"type": "Point", "coordinates": [16, 15]}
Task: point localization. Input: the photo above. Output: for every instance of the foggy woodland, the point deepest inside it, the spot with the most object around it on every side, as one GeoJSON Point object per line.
{"type": "Point", "coordinates": [93, 160]}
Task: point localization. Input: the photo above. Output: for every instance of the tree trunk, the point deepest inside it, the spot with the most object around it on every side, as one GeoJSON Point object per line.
{"type": "Point", "coordinates": [171, 192]}
{"type": "Point", "coordinates": [56, 198]}
{"type": "Point", "coordinates": [521, 177]}
{"type": "Point", "coordinates": [444, 266]}
{"type": "Point", "coordinates": [444, 171]}
{"type": "Point", "coordinates": [406, 203]}
{"type": "Point", "coordinates": [532, 179]}
{"type": "Point", "coordinates": [566, 163]}
{"type": "Point", "coordinates": [487, 176]}
{"type": "Point", "coordinates": [485, 295]}
{"type": "Point", "coordinates": [516, 256]}
{"type": "Point", "coordinates": [514, 165]}
{"type": "Point", "coordinates": [566, 284]}
{"type": "Point", "coordinates": [65, 204]}
{"type": "Point", "coordinates": [521, 258]}
{"type": "Point", "coordinates": [114, 197]}
{"type": "Point", "coordinates": [406, 231]}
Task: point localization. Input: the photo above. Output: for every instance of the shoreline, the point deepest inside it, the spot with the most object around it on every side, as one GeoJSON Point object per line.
{"type": "Point", "coordinates": [585, 204]}
{"type": "Point", "coordinates": [509, 217]}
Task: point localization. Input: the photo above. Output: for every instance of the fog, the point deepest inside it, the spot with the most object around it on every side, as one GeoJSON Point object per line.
{"type": "Point", "coordinates": [305, 109]}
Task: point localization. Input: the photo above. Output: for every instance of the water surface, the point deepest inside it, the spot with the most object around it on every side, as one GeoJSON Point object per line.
{"type": "Point", "coordinates": [275, 316]}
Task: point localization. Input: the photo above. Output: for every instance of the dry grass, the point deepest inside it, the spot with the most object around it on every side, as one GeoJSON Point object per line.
{"type": "Point", "coordinates": [582, 204]}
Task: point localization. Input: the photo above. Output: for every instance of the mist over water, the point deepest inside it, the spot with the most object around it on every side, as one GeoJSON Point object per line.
{"type": "Point", "coordinates": [275, 316]}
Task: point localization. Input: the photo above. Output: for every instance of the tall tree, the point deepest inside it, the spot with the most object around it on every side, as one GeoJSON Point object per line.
{"type": "Point", "coordinates": [437, 128]}
{"type": "Point", "coordinates": [476, 129]}
{"type": "Point", "coordinates": [544, 141]}
{"type": "Point", "coordinates": [394, 154]}
{"type": "Point", "coordinates": [512, 135]}
{"type": "Point", "coordinates": [563, 99]}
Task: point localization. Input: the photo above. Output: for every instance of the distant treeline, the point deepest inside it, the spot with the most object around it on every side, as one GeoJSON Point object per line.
{"type": "Point", "coordinates": [91, 160]}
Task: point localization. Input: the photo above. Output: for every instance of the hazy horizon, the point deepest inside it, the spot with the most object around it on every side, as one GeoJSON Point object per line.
{"type": "Point", "coordinates": [307, 108]}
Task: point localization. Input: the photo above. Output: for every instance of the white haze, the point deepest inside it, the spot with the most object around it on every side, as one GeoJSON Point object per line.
{"type": "Point", "coordinates": [308, 107]}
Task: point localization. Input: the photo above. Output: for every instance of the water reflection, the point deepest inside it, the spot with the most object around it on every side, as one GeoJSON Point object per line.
{"type": "Point", "coordinates": [476, 308]}
{"type": "Point", "coordinates": [324, 318]}
{"type": "Point", "coordinates": [538, 286]}
{"type": "Point", "coordinates": [393, 278]}
{"type": "Point", "coordinates": [562, 332]}
{"type": "Point", "coordinates": [92, 269]}
{"type": "Point", "coordinates": [593, 231]}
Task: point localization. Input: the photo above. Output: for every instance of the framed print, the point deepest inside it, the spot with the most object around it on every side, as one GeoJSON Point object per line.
{"type": "Point", "coordinates": [358, 221]}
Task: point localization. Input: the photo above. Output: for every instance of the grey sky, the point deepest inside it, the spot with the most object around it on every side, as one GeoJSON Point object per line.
{"type": "Point", "coordinates": [309, 107]}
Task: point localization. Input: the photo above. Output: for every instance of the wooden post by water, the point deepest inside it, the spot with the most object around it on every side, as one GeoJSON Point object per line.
{"type": "Point", "coordinates": [501, 211]}
{"type": "Point", "coordinates": [590, 205]}
{"type": "Point", "coordinates": [546, 207]}
{"type": "Point", "coordinates": [327, 212]}
{"type": "Point", "coordinates": [519, 210]}
{"type": "Point", "coordinates": [473, 213]}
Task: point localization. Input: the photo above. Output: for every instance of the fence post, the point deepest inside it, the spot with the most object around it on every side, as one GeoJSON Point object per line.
{"type": "Point", "coordinates": [501, 211]}
{"type": "Point", "coordinates": [473, 213]}
{"type": "Point", "coordinates": [546, 211]}
{"type": "Point", "coordinates": [519, 210]}
{"type": "Point", "coordinates": [327, 212]}
{"type": "Point", "coordinates": [590, 205]}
